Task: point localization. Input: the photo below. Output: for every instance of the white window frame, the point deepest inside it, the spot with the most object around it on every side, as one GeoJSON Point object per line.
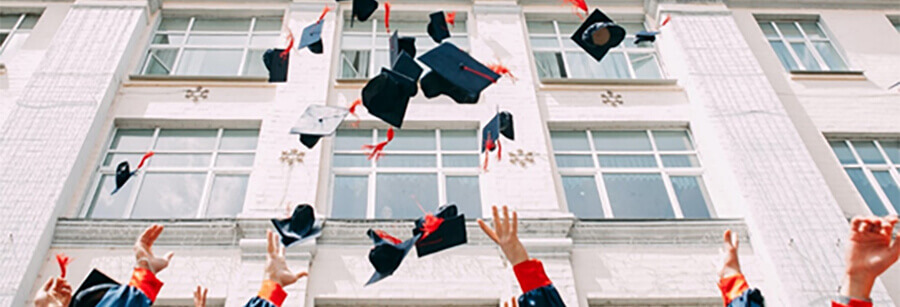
{"type": "Point", "coordinates": [136, 181]}
{"type": "Point", "coordinates": [823, 66]}
{"type": "Point", "coordinates": [373, 170]}
{"type": "Point", "coordinates": [245, 48]}
{"type": "Point", "coordinates": [892, 168]}
{"type": "Point", "coordinates": [621, 48]}
{"type": "Point", "coordinates": [665, 172]}
{"type": "Point", "coordinates": [16, 29]}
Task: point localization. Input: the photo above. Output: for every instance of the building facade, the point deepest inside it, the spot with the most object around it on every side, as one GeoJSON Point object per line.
{"type": "Point", "coordinates": [772, 118]}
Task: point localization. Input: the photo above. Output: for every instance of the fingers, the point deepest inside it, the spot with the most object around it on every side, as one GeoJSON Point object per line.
{"type": "Point", "coordinates": [197, 292]}
{"type": "Point", "coordinates": [169, 256]}
{"type": "Point", "coordinates": [204, 294]}
{"type": "Point", "coordinates": [488, 231]}
{"type": "Point", "coordinates": [48, 284]}
{"type": "Point", "coordinates": [515, 225]}
{"type": "Point", "coordinates": [856, 223]}
{"type": "Point", "coordinates": [270, 243]}
{"type": "Point", "coordinates": [515, 303]}
{"type": "Point", "coordinates": [505, 223]}
{"type": "Point", "coordinates": [280, 249]}
{"type": "Point", "coordinates": [497, 228]}
{"type": "Point", "coordinates": [302, 274]}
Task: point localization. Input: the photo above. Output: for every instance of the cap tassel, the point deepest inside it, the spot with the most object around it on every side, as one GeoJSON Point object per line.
{"type": "Point", "coordinates": [666, 21]}
{"type": "Point", "coordinates": [451, 18]}
{"type": "Point", "coordinates": [324, 12]}
{"type": "Point", "coordinates": [480, 74]}
{"type": "Point", "coordinates": [353, 106]}
{"type": "Point", "coordinates": [385, 236]}
{"type": "Point", "coordinates": [144, 159]}
{"type": "Point", "coordinates": [387, 16]}
{"type": "Point", "coordinates": [431, 222]}
{"type": "Point", "coordinates": [578, 5]}
{"type": "Point", "coordinates": [287, 51]}
{"type": "Point", "coordinates": [502, 70]}
{"type": "Point", "coordinates": [63, 261]}
{"type": "Point", "coordinates": [377, 150]}
{"type": "Point", "coordinates": [488, 146]}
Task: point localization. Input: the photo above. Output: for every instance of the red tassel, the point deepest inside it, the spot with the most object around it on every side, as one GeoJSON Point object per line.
{"type": "Point", "coordinates": [144, 159]}
{"type": "Point", "coordinates": [502, 70]}
{"type": "Point", "coordinates": [578, 5]}
{"type": "Point", "coordinates": [353, 106]}
{"type": "Point", "coordinates": [387, 16]}
{"type": "Point", "coordinates": [287, 51]}
{"type": "Point", "coordinates": [63, 261]}
{"type": "Point", "coordinates": [432, 223]}
{"type": "Point", "coordinates": [480, 74]}
{"type": "Point", "coordinates": [451, 18]}
{"type": "Point", "coordinates": [499, 149]}
{"type": "Point", "coordinates": [377, 150]}
{"type": "Point", "coordinates": [488, 147]}
{"type": "Point", "coordinates": [386, 236]}
{"type": "Point", "coordinates": [324, 12]}
{"type": "Point", "coordinates": [666, 21]}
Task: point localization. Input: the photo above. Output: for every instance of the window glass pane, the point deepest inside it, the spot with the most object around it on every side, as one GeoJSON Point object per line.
{"type": "Point", "coordinates": [691, 196]}
{"type": "Point", "coordinates": [357, 41]}
{"type": "Point", "coordinates": [186, 139]}
{"type": "Point", "coordinates": [210, 62]}
{"type": "Point", "coordinates": [110, 206]}
{"type": "Point", "coordinates": [789, 30]}
{"type": "Point", "coordinates": [173, 24]}
{"type": "Point", "coordinates": [460, 160]}
{"type": "Point", "coordinates": [569, 140]}
{"type": "Point", "coordinates": [239, 139]}
{"type": "Point", "coordinates": [234, 160]}
{"type": "Point", "coordinates": [672, 140]}
{"type": "Point", "coordinates": [805, 56]}
{"type": "Point", "coordinates": [549, 65]}
{"type": "Point", "coordinates": [868, 152]}
{"type": "Point", "coordinates": [160, 61]}
{"type": "Point", "coordinates": [8, 21]}
{"type": "Point", "coordinates": [222, 24]}
{"type": "Point", "coordinates": [830, 55]}
{"type": "Point", "coordinates": [227, 196]}
{"type": "Point", "coordinates": [621, 141]}
{"type": "Point", "coordinates": [612, 66]}
{"type": "Point", "coordinates": [544, 42]}
{"type": "Point", "coordinates": [626, 161]}
{"type": "Point", "coordinates": [452, 140]}
{"type": "Point", "coordinates": [14, 43]}
{"type": "Point", "coordinates": [3, 37]}
{"type": "Point", "coordinates": [347, 160]}
{"type": "Point", "coordinates": [114, 159]}
{"type": "Point", "coordinates": [352, 139]}
{"type": "Point", "coordinates": [358, 26]}
{"type": "Point", "coordinates": [354, 64]}
{"type": "Point", "coordinates": [168, 39]}
{"type": "Point", "coordinates": [465, 192]}
{"type": "Point", "coordinates": [349, 197]}
{"type": "Point", "coordinates": [132, 139]}
{"type": "Point", "coordinates": [567, 161]}
{"type": "Point", "coordinates": [645, 66]}
{"type": "Point", "coordinates": [566, 28]}
{"type": "Point", "coordinates": [864, 187]}
{"type": "Point", "coordinates": [892, 149]}
{"type": "Point", "coordinates": [29, 22]}
{"type": "Point", "coordinates": [582, 196]}
{"type": "Point", "coordinates": [784, 55]}
{"type": "Point", "coordinates": [811, 28]}
{"type": "Point", "coordinates": [680, 161]}
{"type": "Point", "coordinates": [843, 152]}
{"type": "Point", "coordinates": [266, 40]}
{"type": "Point", "coordinates": [169, 195]}
{"type": "Point", "coordinates": [396, 195]}
{"type": "Point", "coordinates": [409, 140]}
{"type": "Point", "coordinates": [382, 60]}
{"type": "Point", "coordinates": [267, 24]}
{"type": "Point", "coordinates": [180, 160]}
{"type": "Point", "coordinates": [632, 27]}
{"type": "Point", "coordinates": [768, 30]}
{"type": "Point", "coordinates": [889, 187]}
{"type": "Point", "coordinates": [211, 39]}
{"type": "Point", "coordinates": [638, 196]}
{"type": "Point", "coordinates": [398, 160]}
{"type": "Point", "coordinates": [540, 27]}
{"type": "Point", "coordinates": [420, 24]}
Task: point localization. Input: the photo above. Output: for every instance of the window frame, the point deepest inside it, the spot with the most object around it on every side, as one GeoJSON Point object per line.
{"type": "Point", "coordinates": [372, 171]}
{"type": "Point", "coordinates": [210, 171]}
{"type": "Point", "coordinates": [893, 169]}
{"type": "Point", "coordinates": [597, 171]}
{"type": "Point", "coordinates": [801, 67]}
{"type": "Point", "coordinates": [16, 29]}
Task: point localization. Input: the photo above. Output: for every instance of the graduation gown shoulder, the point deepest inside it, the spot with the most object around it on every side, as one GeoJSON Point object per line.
{"type": "Point", "coordinates": [537, 288]}
{"type": "Point", "coordinates": [141, 291]}
{"type": "Point", "coordinates": [271, 294]}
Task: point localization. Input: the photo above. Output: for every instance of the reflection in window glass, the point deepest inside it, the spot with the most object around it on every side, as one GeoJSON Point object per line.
{"type": "Point", "coordinates": [349, 197]}
{"type": "Point", "coordinates": [842, 151]}
{"type": "Point", "coordinates": [227, 196]}
{"type": "Point", "coordinates": [638, 196]}
{"type": "Point", "coordinates": [867, 191]}
{"type": "Point", "coordinates": [875, 179]}
{"type": "Point", "coordinates": [169, 195]}
{"type": "Point", "coordinates": [107, 205]}
{"type": "Point", "coordinates": [582, 196]}
{"type": "Point", "coordinates": [397, 195]}
{"type": "Point", "coordinates": [464, 191]}
{"type": "Point", "coordinates": [889, 186]}
{"type": "Point", "coordinates": [802, 45]}
{"type": "Point", "coordinates": [691, 196]}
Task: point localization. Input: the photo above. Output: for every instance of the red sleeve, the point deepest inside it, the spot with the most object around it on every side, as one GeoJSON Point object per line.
{"type": "Point", "coordinates": [853, 303]}
{"type": "Point", "coordinates": [732, 286]}
{"type": "Point", "coordinates": [144, 280]}
{"type": "Point", "coordinates": [272, 292]}
{"type": "Point", "coordinates": [531, 275]}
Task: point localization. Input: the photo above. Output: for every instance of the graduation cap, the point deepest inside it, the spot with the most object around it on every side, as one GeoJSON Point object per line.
{"type": "Point", "coordinates": [437, 27]}
{"type": "Point", "coordinates": [455, 74]}
{"type": "Point", "coordinates": [407, 71]}
{"type": "Point", "coordinates": [363, 9]}
{"type": "Point", "coordinates": [276, 64]}
{"type": "Point", "coordinates": [301, 226]}
{"type": "Point", "coordinates": [598, 34]}
{"type": "Point", "coordinates": [387, 96]}
{"type": "Point", "coordinates": [645, 36]}
{"type": "Point", "coordinates": [312, 37]}
{"type": "Point", "coordinates": [92, 289]}
{"type": "Point", "coordinates": [123, 171]}
{"type": "Point", "coordinates": [440, 231]}
{"type": "Point", "coordinates": [502, 123]}
{"type": "Point", "coordinates": [387, 254]}
{"type": "Point", "coordinates": [404, 44]}
{"type": "Point", "coordinates": [318, 121]}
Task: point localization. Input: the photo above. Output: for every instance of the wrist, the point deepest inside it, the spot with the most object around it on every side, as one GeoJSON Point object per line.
{"type": "Point", "coordinates": [858, 287]}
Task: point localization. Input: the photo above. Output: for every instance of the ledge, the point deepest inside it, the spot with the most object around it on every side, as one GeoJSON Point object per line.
{"type": "Point", "coordinates": [599, 300]}
{"type": "Point", "coordinates": [567, 84]}
{"type": "Point", "coordinates": [156, 80]}
{"type": "Point", "coordinates": [848, 75]}
{"type": "Point", "coordinates": [344, 231]}
{"type": "Point", "coordinates": [349, 83]}
{"type": "Point", "coordinates": [667, 231]}
{"type": "Point", "coordinates": [335, 301]}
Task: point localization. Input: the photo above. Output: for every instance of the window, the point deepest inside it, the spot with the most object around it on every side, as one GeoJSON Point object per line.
{"type": "Point", "coordinates": [199, 46]}
{"type": "Point", "coordinates": [802, 45]}
{"type": "Point", "coordinates": [896, 22]}
{"type": "Point", "coordinates": [420, 167]}
{"type": "Point", "coordinates": [363, 39]}
{"type": "Point", "coordinates": [14, 30]}
{"type": "Point", "coordinates": [631, 174]}
{"type": "Point", "coordinates": [874, 168]}
{"type": "Point", "coordinates": [194, 173]}
{"type": "Point", "coordinates": [557, 56]}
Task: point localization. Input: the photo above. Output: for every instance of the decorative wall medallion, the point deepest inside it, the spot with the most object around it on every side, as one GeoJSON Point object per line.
{"type": "Point", "coordinates": [522, 158]}
{"type": "Point", "coordinates": [196, 94]}
{"type": "Point", "coordinates": [292, 156]}
{"type": "Point", "coordinates": [612, 99]}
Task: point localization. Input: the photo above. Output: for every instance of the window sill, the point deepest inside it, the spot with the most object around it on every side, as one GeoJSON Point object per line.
{"type": "Point", "coordinates": [157, 80]}
{"type": "Point", "coordinates": [349, 83]}
{"type": "Point", "coordinates": [854, 75]}
{"type": "Point", "coordinates": [572, 83]}
{"type": "Point", "coordinates": [656, 231]}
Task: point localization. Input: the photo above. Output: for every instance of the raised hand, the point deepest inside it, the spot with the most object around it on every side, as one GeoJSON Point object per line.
{"type": "Point", "coordinates": [506, 235]}
{"type": "Point", "coordinates": [276, 265]}
{"type": "Point", "coordinates": [729, 254]}
{"type": "Point", "coordinates": [511, 301]}
{"type": "Point", "coordinates": [871, 252]}
{"type": "Point", "coordinates": [200, 296]}
{"type": "Point", "coordinates": [56, 292]}
{"type": "Point", "coordinates": [143, 251]}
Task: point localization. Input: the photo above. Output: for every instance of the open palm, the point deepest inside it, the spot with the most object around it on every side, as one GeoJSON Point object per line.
{"type": "Point", "coordinates": [276, 264]}
{"type": "Point", "coordinates": [143, 250]}
{"type": "Point", "coordinates": [871, 249]}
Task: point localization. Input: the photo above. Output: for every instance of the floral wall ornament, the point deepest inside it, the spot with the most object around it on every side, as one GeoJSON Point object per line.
{"type": "Point", "coordinates": [292, 156]}
{"type": "Point", "coordinates": [522, 158]}
{"type": "Point", "coordinates": [612, 99]}
{"type": "Point", "coordinates": [196, 94]}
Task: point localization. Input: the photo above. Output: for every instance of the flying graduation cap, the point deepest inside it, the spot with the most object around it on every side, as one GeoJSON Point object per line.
{"type": "Point", "coordinates": [387, 95]}
{"type": "Point", "coordinates": [92, 289]}
{"type": "Point", "coordinates": [318, 121]}
{"type": "Point", "coordinates": [123, 171]}
{"type": "Point", "coordinates": [440, 231]}
{"type": "Point", "coordinates": [437, 27]}
{"type": "Point", "coordinates": [363, 9]}
{"type": "Point", "coordinates": [456, 74]}
{"type": "Point", "coordinates": [312, 37]}
{"type": "Point", "coordinates": [598, 34]}
{"type": "Point", "coordinates": [276, 64]}
{"type": "Point", "coordinates": [400, 44]}
{"type": "Point", "coordinates": [387, 254]}
{"type": "Point", "coordinates": [301, 226]}
{"type": "Point", "coordinates": [501, 124]}
{"type": "Point", "coordinates": [645, 36]}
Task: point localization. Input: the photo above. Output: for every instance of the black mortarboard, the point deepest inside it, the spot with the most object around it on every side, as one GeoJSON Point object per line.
{"type": "Point", "coordinates": [123, 171]}
{"type": "Point", "coordinates": [502, 123]}
{"type": "Point", "coordinates": [318, 121]}
{"type": "Point", "coordinates": [598, 34]}
{"type": "Point", "coordinates": [460, 76]}
{"type": "Point", "coordinates": [276, 64]}
{"type": "Point", "coordinates": [363, 9]}
{"type": "Point", "coordinates": [437, 27]}
{"type": "Point", "coordinates": [406, 67]}
{"type": "Point", "coordinates": [312, 37]}
{"type": "Point", "coordinates": [387, 254]}
{"type": "Point", "coordinates": [299, 227]}
{"type": "Point", "coordinates": [645, 36]}
{"type": "Point", "coordinates": [399, 44]}
{"type": "Point", "coordinates": [450, 232]}
{"type": "Point", "coordinates": [92, 289]}
{"type": "Point", "coordinates": [387, 96]}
